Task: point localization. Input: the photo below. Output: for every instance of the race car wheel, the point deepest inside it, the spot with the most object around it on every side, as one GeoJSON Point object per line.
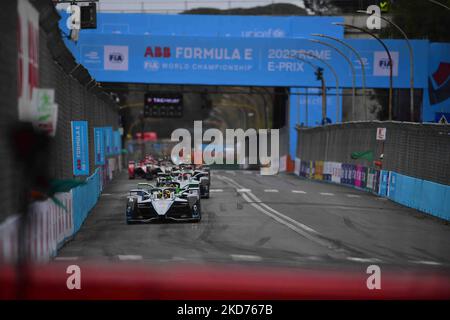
{"type": "Point", "coordinates": [207, 192]}
{"type": "Point", "coordinates": [196, 212]}
{"type": "Point", "coordinates": [130, 209]}
{"type": "Point", "coordinates": [204, 192]}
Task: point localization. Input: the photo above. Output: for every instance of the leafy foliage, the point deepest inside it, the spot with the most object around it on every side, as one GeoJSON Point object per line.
{"type": "Point", "coordinates": [421, 19]}
{"type": "Point", "coordinates": [279, 9]}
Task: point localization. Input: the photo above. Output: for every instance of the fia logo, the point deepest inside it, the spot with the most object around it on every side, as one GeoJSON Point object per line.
{"type": "Point", "coordinates": [116, 57]}
{"type": "Point", "coordinates": [384, 63]}
{"type": "Point", "coordinates": [73, 22]}
{"type": "Point", "coordinates": [151, 65]}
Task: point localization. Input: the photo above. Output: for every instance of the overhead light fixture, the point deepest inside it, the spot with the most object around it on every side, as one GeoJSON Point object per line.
{"type": "Point", "coordinates": [89, 16]}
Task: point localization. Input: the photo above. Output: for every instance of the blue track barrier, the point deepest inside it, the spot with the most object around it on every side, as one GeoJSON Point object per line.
{"type": "Point", "coordinates": [84, 199]}
{"type": "Point", "coordinates": [423, 195]}
{"type": "Point", "coordinates": [446, 214]}
{"type": "Point", "coordinates": [435, 199]}
{"type": "Point", "coordinates": [426, 196]}
{"type": "Point", "coordinates": [383, 186]}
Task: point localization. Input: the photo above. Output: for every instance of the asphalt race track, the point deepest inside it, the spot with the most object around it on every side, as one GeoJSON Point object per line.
{"type": "Point", "coordinates": [268, 220]}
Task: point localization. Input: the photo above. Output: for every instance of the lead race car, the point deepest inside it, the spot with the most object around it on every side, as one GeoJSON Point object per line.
{"type": "Point", "coordinates": [169, 201]}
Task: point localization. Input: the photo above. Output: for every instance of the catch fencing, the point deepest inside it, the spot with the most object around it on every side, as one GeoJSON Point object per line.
{"type": "Point", "coordinates": [415, 166]}
{"type": "Point", "coordinates": [412, 149]}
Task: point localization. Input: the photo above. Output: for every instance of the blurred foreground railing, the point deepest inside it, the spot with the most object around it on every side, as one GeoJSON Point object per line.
{"type": "Point", "coordinates": [50, 225]}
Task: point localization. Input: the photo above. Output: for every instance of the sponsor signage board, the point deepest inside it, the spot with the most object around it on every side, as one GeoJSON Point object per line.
{"type": "Point", "coordinates": [381, 134]}
{"type": "Point", "coordinates": [109, 140]}
{"type": "Point", "coordinates": [99, 146]}
{"type": "Point", "coordinates": [239, 61]}
{"type": "Point", "coordinates": [80, 148]}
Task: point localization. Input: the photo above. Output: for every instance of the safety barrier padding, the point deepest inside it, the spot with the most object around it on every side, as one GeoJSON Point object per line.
{"type": "Point", "coordinates": [50, 224]}
{"type": "Point", "coordinates": [426, 196]}
{"type": "Point", "coordinates": [430, 197]}
{"type": "Point", "coordinates": [84, 199]}
{"type": "Point", "coordinates": [283, 164]}
{"type": "Point", "coordinates": [298, 163]}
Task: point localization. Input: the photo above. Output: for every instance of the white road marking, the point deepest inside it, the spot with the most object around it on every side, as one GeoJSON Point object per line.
{"type": "Point", "coordinates": [243, 190]}
{"type": "Point", "coordinates": [353, 196]}
{"type": "Point", "coordinates": [429, 263]}
{"type": "Point", "coordinates": [314, 258]}
{"type": "Point", "coordinates": [300, 228]}
{"type": "Point", "coordinates": [245, 257]}
{"type": "Point", "coordinates": [247, 172]}
{"type": "Point", "coordinates": [326, 194]}
{"type": "Point", "coordinates": [66, 258]}
{"type": "Point", "coordinates": [129, 257]}
{"type": "Point", "coordinates": [178, 259]}
{"type": "Point", "coordinates": [215, 190]}
{"type": "Point", "coordinates": [270, 190]}
{"type": "Point", "coordinates": [364, 260]}
{"type": "Point", "coordinates": [106, 194]}
{"type": "Point", "coordinates": [256, 199]}
{"type": "Point", "coordinates": [298, 191]}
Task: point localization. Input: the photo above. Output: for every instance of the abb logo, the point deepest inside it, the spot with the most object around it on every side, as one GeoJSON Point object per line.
{"type": "Point", "coordinates": [157, 52]}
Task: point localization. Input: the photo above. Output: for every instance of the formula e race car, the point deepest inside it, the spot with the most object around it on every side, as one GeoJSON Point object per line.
{"type": "Point", "coordinates": [169, 202]}
{"type": "Point", "coordinates": [146, 169]}
{"type": "Point", "coordinates": [189, 174]}
{"type": "Point", "coordinates": [203, 176]}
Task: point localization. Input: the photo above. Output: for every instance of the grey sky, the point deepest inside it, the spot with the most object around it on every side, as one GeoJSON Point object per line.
{"type": "Point", "coordinates": [175, 6]}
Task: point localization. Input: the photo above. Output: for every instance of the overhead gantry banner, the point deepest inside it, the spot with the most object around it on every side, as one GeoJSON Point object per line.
{"type": "Point", "coordinates": [246, 62]}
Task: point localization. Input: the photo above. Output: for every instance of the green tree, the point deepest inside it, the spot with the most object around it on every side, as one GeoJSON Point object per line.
{"type": "Point", "coordinates": [420, 19]}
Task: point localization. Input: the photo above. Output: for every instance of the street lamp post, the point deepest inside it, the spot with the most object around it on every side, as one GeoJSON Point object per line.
{"type": "Point", "coordinates": [323, 85]}
{"type": "Point", "coordinates": [387, 52]}
{"type": "Point", "coordinates": [351, 67]}
{"type": "Point", "coordinates": [334, 73]}
{"type": "Point", "coordinates": [411, 62]}
{"type": "Point", "coordinates": [266, 104]}
{"type": "Point", "coordinates": [306, 106]}
{"type": "Point", "coordinates": [361, 61]}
